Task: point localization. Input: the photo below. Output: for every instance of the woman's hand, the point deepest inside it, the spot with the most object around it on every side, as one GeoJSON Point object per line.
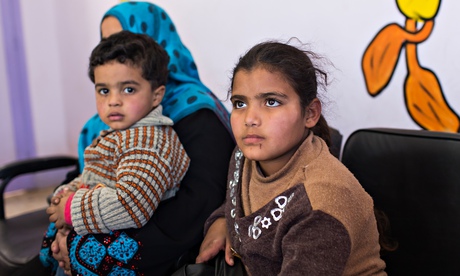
{"type": "Point", "coordinates": [216, 239]}
{"type": "Point", "coordinates": [59, 245]}
{"type": "Point", "coordinates": [59, 249]}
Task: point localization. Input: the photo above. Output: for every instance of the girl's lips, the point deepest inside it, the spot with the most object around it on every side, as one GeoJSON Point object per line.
{"type": "Point", "coordinates": [252, 139]}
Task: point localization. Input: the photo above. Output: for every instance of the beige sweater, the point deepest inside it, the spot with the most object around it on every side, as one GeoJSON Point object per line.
{"type": "Point", "coordinates": [310, 218]}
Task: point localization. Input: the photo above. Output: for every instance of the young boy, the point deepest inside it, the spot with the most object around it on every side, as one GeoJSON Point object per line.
{"type": "Point", "coordinates": [139, 161]}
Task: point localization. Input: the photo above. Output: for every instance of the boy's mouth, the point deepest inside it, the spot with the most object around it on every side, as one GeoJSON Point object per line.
{"type": "Point", "coordinates": [115, 116]}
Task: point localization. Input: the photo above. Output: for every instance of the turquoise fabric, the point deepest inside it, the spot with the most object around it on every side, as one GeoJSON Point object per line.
{"type": "Point", "coordinates": [185, 93]}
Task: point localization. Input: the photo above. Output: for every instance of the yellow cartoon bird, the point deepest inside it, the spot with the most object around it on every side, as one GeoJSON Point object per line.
{"type": "Point", "coordinates": [423, 94]}
{"type": "Point", "coordinates": [419, 10]}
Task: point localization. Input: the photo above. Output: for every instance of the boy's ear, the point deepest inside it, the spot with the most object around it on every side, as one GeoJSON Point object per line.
{"type": "Point", "coordinates": [158, 95]}
{"type": "Point", "coordinates": [312, 113]}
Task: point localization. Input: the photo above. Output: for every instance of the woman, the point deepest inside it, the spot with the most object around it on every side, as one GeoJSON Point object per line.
{"type": "Point", "coordinates": [201, 122]}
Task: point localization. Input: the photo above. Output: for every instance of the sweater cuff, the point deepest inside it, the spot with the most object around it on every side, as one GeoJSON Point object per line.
{"type": "Point", "coordinates": [67, 211]}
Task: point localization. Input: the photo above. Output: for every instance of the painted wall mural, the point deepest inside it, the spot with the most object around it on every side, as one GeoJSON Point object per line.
{"type": "Point", "coordinates": [424, 98]}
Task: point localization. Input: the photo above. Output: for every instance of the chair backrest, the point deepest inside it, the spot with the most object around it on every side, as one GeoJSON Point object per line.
{"type": "Point", "coordinates": [414, 178]}
{"type": "Point", "coordinates": [336, 142]}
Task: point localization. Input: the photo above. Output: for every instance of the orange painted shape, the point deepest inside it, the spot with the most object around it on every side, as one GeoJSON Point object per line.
{"type": "Point", "coordinates": [381, 56]}
{"type": "Point", "coordinates": [424, 97]}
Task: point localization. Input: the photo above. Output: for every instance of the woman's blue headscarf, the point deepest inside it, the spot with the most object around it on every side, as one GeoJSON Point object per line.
{"type": "Point", "coordinates": [185, 93]}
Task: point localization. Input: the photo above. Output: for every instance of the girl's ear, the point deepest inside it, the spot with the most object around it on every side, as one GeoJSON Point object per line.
{"type": "Point", "coordinates": [313, 113]}
{"type": "Point", "coordinates": [158, 95]}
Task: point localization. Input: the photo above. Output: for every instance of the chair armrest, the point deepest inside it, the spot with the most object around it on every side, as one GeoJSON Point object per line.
{"type": "Point", "coordinates": [14, 169]}
{"type": "Point", "coordinates": [11, 170]}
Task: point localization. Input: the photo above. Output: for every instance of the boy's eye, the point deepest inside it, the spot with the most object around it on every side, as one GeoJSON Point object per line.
{"type": "Point", "coordinates": [128, 90]}
{"type": "Point", "coordinates": [103, 91]}
{"type": "Point", "coordinates": [272, 102]}
{"type": "Point", "coordinates": [238, 104]}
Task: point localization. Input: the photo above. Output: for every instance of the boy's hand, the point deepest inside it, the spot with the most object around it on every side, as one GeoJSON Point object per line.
{"type": "Point", "coordinates": [56, 210]}
{"type": "Point", "coordinates": [57, 198]}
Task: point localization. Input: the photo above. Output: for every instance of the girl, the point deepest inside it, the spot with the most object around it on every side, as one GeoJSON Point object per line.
{"type": "Point", "coordinates": [291, 208]}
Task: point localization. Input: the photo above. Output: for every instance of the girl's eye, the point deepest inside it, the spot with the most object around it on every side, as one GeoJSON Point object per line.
{"type": "Point", "coordinates": [103, 91]}
{"type": "Point", "coordinates": [128, 90]}
{"type": "Point", "coordinates": [238, 104]}
{"type": "Point", "coordinates": [272, 102]}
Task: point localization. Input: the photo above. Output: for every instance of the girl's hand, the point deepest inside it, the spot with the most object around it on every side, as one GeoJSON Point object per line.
{"type": "Point", "coordinates": [216, 239]}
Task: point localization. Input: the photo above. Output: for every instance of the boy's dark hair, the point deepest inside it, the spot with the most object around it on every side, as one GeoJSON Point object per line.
{"type": "Point", "coordinates": [297, 68]}
{"type": "Point", "coordinates": [137, 50]}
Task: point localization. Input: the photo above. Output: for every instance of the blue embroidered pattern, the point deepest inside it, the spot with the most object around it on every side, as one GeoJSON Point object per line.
{"type": "Point", "coordinates": [123, 248]}
{"type": "Point", "coordinates": [92, 252]}
{"type": "Point", "coordinates": [119, 271]}
{"type": "Point", "coordinates": [51, 231]}
{"type": "Point", "coordinates": [117, 256]}
{"type": "Point", "coordinates": [45, 255]}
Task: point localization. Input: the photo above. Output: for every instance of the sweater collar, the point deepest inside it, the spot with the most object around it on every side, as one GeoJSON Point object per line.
{"type": "Point", "coordinates": [309, 150]}
{"type": "Point", "coordinates": [154, 118]}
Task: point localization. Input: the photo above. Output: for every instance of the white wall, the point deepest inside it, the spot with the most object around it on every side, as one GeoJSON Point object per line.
{"type": "Point", "coordinates": [341, 30]}
{"type": "Point", "coordinates": [60, 35]}
{"type": "Point", "coordinates": [58, 40]}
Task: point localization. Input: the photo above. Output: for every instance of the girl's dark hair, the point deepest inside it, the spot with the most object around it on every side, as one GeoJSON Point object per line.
{"type": "Point", "coordinates": [296, 67]}
{"type": "Point", "coordinates": [387, 242]}
{"type": "Point", "coordinates": [137, 50]}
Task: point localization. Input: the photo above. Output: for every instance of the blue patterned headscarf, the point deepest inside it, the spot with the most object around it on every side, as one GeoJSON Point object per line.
{"type": "Point", "coordinates": [185, 93]}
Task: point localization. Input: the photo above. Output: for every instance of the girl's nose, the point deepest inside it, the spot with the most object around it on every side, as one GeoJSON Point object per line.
{"type": "Point", "coordinates": [252, 118]}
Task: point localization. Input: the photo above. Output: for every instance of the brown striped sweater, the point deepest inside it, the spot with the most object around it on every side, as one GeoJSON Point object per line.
{"type": "Point", "coordinates": [310, 218]}
{"type": "Point", "coordinates": [126, 174]}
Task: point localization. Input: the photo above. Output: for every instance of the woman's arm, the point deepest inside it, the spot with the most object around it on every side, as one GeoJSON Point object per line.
{"type": "Point", "coordinates": [177, 225]}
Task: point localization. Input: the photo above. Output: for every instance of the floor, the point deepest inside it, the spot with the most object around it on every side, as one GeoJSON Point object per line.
{"type": "Point", "coordinates": [24, 201]}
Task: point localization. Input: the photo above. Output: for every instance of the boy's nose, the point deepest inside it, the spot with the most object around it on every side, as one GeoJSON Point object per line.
{"type": "Point", "coordinates": [114, 100]}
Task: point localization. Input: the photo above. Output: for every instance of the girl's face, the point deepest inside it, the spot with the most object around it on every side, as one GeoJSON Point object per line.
{"type": "Point", "coordinates": [123, 96]}
{"type": "Point", "coordinates": [267, 119]}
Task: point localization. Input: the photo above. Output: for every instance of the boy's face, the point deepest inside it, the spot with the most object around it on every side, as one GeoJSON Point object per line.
{"type": "Point", "coordinates": [123, 96]}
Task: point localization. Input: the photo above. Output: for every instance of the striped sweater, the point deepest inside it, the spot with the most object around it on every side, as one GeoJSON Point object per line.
{"type": "Point", "coordinates": [126, 175]}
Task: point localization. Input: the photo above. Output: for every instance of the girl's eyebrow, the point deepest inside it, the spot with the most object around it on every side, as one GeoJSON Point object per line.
{"type": "Point", "coordinates": [260, 96]}
{"type": "Point", "coordinates": [238, 97]}
{"type": "Point", "coordinates": [270, 94]}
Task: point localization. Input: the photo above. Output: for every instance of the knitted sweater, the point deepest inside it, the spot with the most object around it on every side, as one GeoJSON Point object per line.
{"type": "Point", "coordinates": [126, 175]}
{"type": "Point", "coordinates": [310, 218]}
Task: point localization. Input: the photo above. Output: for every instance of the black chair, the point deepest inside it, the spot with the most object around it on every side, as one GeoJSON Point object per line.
{"type": "Point", "coordinates": [336, 142]}
{"type": "Point", "coordinates": [414, 178]}
{"type": "Point", "coordinates": [21, 236]}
